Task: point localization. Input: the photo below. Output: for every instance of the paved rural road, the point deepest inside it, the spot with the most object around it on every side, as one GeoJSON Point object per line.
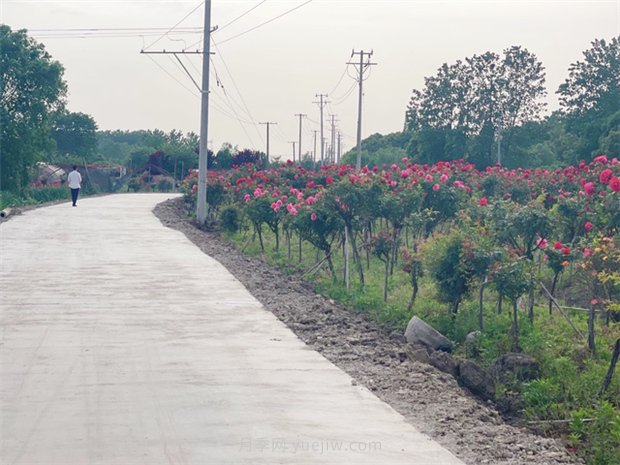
{"type": "Point", "coordinates": [123, 344]}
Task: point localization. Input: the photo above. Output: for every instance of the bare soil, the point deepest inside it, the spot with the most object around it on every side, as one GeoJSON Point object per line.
{"type": "Point", "coordinates": [375, 357]}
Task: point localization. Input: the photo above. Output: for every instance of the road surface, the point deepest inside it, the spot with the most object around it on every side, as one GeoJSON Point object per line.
{"type": "Point", "coordinates": [123, 344]}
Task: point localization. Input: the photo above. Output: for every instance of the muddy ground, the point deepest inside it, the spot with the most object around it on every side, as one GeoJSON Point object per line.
{"type": "Point", "coordinates": [374, 357]}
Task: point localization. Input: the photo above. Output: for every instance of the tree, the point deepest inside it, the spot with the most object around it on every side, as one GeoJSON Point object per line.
{"type": "Point", "coordinates": [478, 98]}
{"type": "Point", "coordinates": [590, 99]}
{"type": "Point", "coordinates": [483, 90]}
{"type": "Point", "coordinates": [31, 90]}
{"type": "Point", "coordinates": [75, 134]}
{"type": "Point", "coordinates": [593, 80]}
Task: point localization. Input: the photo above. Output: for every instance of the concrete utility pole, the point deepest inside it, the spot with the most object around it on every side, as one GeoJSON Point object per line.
{"type": "Point", "coordinates": [201, 207]}
{"type": "Point", "coordinates": [268, 123]}
{"type": "Point", "coordinates": [339, 146]}
{"type": "Point", "coordinates": [314, 151]}
{"type": "Point", "coordinates": [293, 142]}
{"type": "Point", "coordinates": [332, 153]}
{"type": "Point", "coordinates": [361, 67]}
{"type": "Point", "coordinates": [301, 115]}
{"type": "Point", "coordinates": [201, 204]}
{"type": "Point", "coordinates": [322, 102]}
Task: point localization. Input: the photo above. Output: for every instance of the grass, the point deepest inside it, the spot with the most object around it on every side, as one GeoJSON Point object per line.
{"type": "Point", "coordinates": [571, 377]}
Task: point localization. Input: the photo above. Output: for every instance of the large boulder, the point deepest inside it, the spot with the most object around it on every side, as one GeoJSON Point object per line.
{"type": "Point", "coordinates": [514, 366]}
{"type": "Point", "coordinates": [420, 332]}
{"type": "Point", "coordinates": [478, 380]}
{"type": "Point", "coordinates": [418, 353]}
{"type": "Point", "coordinates": [444, 362]}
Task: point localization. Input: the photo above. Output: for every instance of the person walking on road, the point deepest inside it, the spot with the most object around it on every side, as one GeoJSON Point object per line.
{"type": "Point", "coordinates": [75, 182]}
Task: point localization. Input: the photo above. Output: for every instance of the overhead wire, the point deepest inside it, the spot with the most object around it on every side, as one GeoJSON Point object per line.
{"type": "Point", "coordinates": [339, 80]}
{"type": "Point", "coordinates": [340, 100]}
{"type": "Point", "coordinates": [231, 107]}
{"type": "Point", "coordinates": [240, 16]}
{"type": "Point", "coordinates": [249, 113]}
{"type": "Point", "coordinates": [172, 28]}
{"type": "Point", "coordinates": [265, 22]}
{"type": "Point", "coordinates": [173, 77]}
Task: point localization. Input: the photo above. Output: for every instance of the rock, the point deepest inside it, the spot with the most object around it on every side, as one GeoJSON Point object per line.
{"type": "Point", "coordinates": [472, 344]}
{"type": "Point", "coordinates": [514, 366]}
{"type": "Point", "coordinates": [478, 380]}
{"type": "Point", "coordinates": [417, 353]}
{"type": "Point", "coordinates": [444, 362]}
{"type": "Point", "coordinates": [419, 332]}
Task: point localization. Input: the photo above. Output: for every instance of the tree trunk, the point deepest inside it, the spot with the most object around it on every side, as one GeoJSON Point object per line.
{"type": "Point", "coordinates": [515, 327]}
{"type": "Point", "coordinates": [500, 301]}
{"type": "Point", "coordinates": [259, 231]}
{"type": "Point", "coordinates": [288, 244]}
{"type": "Point", "coordinates": [612, 367]}
{"type": "Point", "coordinates": [385, 280]}
{"type": "Point", "coordinates": [454, 308]}
{"type": "Point", "coordinates": [530, 303]}
{"type": "Point", "coordinates": [554, 283]}
{"type": "Point", "coordinates": [356, 255]}
{"type": "Point", "coordinates": [480, 305]}
{"type": "Point", "coordinates": [330, 264]}
{"type": "Point", "coordinates": [414, 285]}
{"type": "Point", "coordinates": [591, 341]}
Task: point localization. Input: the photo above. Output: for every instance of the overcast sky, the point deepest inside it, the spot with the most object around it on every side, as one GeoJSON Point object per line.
{"type": "Point", "coordinates": [275, 71]}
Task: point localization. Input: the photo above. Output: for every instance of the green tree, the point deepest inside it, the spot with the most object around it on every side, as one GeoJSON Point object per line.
{"type": "Point", "coordinates": [593, 80]}
{"type": "Point", "coordinates": [75, 134]}
{"type": "Point", "coordinates": [31, 90]}
{"type": "Point", "coordinates": [590, 99]}
{"type": "Point", "coordinates": [463, 108]}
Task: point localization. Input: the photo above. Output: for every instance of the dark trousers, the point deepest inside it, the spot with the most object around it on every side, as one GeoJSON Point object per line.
{"type": "Point", "coordinates": [74, 195]}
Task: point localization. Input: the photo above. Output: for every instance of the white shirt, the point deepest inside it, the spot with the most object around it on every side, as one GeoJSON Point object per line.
{"type": "Point", "coordinates": [74, 179]}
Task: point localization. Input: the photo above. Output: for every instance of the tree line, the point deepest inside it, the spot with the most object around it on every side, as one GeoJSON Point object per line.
{"type": "Point", "coordinates": [484, 109]}
{"type": "Point", "coordinates": [37, 126]}
{"type": "Point", "coordinates": [489, 108]}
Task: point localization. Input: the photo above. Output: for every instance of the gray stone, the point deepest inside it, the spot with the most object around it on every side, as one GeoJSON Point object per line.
{"type": "Point", "coordinates": [515, 366]}
{"type": "Point", "coordinates": [418, 353]}
{"type": "Point", "coordinates": [478, 380]}
{"type": "Point", "coordinates": [444, 362]}
{"type": "Point", "coordinates": [420, 332]}
{"type": "Point", "coordinates": [472, 344]}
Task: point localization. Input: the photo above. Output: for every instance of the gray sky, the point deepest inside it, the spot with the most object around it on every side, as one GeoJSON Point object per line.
{"type": "Point", "coordinates": [276, 70]}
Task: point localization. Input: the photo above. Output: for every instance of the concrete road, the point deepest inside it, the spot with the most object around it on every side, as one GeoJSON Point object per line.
{"type": "Point", "coordinates": [123, 344]}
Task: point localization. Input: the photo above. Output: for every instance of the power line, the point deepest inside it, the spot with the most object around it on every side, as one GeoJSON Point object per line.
{"type": "Point", "coordinates": [172, 28]}
{"type": "Point", "coordinates": [241, 16]}
{"type": "Point", "coordinates": [230, 105]}
{"type": "Point", "coordinates": [193, 28]}
{"type": "Point", "coordinates": [238, 91]}
{"type": "Point", "coordinates": [266, 22]}
{"type": "Point", "coordinates": [172, 76]}
{"type": "Point", "coordinates": [339, 80]}
{"type": "Point", "coordinates": [340, 100]}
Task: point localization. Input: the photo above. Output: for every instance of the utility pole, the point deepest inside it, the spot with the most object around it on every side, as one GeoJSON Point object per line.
{"type": "Point", "coordinates": [268, 123]}
{"type": "Point", "coordinates": [201, 204]}
{"type": "Point", "coordinates": [339, 146]}
{"type": "Point", "coordinates": [301, 115]}
{"type": "Point", "coordinates": [314, 151]}
{"type": "Point", "coordinates": [322, 103]}
{"type": "Point", "coordinates": [361, 67]}
{"type": "Point", "coordinates": [333, 140]}
{"type": "Point", "coordinates": [293, 142]}
{"type": "Point", "coordinates": [201, 207]}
